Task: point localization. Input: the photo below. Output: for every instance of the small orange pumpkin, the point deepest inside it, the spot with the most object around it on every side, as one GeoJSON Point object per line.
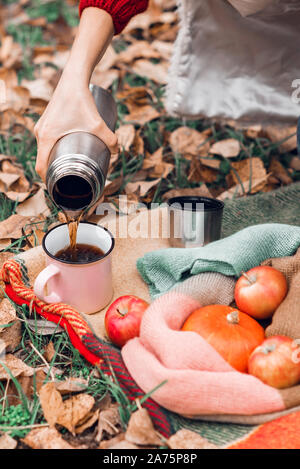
{"type": "Point", "coordinates": [232, 333]}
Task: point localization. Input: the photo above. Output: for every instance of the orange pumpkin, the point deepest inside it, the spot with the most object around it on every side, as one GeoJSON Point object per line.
{"type": "Point", "coordinates": [232, 333]}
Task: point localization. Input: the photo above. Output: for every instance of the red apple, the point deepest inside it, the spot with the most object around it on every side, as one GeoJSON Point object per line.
{"type": "Point", "coordinates": [260, 291]}
{"type": "Point", "coordinates": [276, 362]}
{"type": "Point", "coordinates": [123, 319]}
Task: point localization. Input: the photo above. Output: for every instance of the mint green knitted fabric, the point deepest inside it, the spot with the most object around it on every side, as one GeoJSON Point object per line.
{"type": "Point", "coordinates": [243, 250]}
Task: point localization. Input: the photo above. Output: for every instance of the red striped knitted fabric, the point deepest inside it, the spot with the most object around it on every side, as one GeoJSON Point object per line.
{"type": "Point", "coordinates": [121, 11]}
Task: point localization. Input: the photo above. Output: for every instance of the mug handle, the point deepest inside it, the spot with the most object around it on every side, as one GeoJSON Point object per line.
{"type": "Point", "coordinates": [41, 282]}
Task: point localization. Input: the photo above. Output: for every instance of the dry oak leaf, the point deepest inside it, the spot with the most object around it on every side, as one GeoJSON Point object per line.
{"type": "Point", "coordinates": [155, 72]}
{"type": "Point", "coordinates": [10, 335]}
{"type": "Point", "coordinates": [213, 163]}
{"type": "Point", "coordinates": [49, 352]}
{"type": "Point", "coordinates": [39, 88]}
{"type": "Point", "coordinates": [201, 191]}
{"type": "Point", "coordinates": [279, 172]}
{"type": "Point", "coordinates": [164, 48]}
{"type": "Point", "coordinates": [7, 442]}
{"type": "Point", "coordinates": [10, 53]}
{"type": "Point", "coordinates": [17, 98]}
{"type": "Point", "coordinates": [139, 49]}
{"type": "Point", "coordinates": [12, 226]}
{"type": "Point", "coordinates": [108, 444]}
{"type": "Point", "coordinates": [9, 77]}
{"type": "Point", "coordinates": [185, 140]}
{"type": "Point", "coordinates": [140, 430]}
{"type": "Point", "coordinates": [6, 180]}
{"type": "Point", "coordinates": [251, 186]}
{"type": "Point", "coordinates": [254, 131]}
{"type": "Point", "coordinates": [228, 148]}
{"type": "Point", "coordinates": [51, 403]}
{"type": "Point", "coordinates": [29, 385]}
{"type": "Point", "coordinates": [109, 422]}
{"type": "Point", "coordinates": [16, 366]}
{"type": "Point", "coordinates": [34, 206]}
{"type": "Point", "coordinates": [142, 187]}
{"type": "Point", "coordinates": [137, 96]}
{"type": "Point", "coordinates": [111, 187]}
{"type": "Point", "coordinates": [90, 419]}
{"type": "Point", "coordinates": [69, 413]}
{"type": "Point", "coordinates": [186, 439]}
{"type": "Point", "coordinates": [158, 167]}
{"type": "Point", "coordinates": [247, 169]}
{"type": "Point", "coordinates": [276, 134]}
{"type": "Point", "coordinates": [295, 163]}
{"type": "Point", "coordinates": [75, 411]}
{"type": "Point", "coordinates": [125, 134]}
{"type": "Point", "coordinates": [46, 438]}
{"type": "Point", "coordinates": [142, 114]}
{"type": "Point", "coordinates": [71, 385]}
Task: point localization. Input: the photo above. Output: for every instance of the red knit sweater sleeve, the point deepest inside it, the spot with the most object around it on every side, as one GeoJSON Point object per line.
{"type": "Point", "coordinates": [121, 11]}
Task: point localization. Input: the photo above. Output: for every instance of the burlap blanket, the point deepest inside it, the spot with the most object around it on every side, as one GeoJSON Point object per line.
{"type": "Point", "coordinates": [284, 207]}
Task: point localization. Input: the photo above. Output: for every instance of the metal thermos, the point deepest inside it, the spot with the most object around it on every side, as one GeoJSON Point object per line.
{"type": "Point", "coordinates": [79, 162]}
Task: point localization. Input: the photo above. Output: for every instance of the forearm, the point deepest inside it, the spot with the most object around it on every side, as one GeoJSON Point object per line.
{"type": "Point", "coordinates": [121, 11]}
{"type": "Point", "coordinates": [94, 35]}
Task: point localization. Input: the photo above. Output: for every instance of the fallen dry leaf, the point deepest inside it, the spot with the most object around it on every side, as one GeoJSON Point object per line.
{"type": "Point", "coordinates": [29, 385]}
{"type": "Point", "coordinates": [254, 131]}
{"type": "Point", "coordinates": [43, 327]}
{"type": "Point", "coordinates": [108, 444]}
{"type": "Point", "coordinates": [249, 187]}
{"type": "Point", "coordinates": [295, 163]}
{"type": "Point", "coordinates": [247, 169]}
{"type": "Point", "coordinates": [186, 439]}
{"type": "Point", "coordinates": [71, 385]}
{"type": "Point", "coordinates": [39, 89]}
{"type": "Point", "coordinates": [279, 172]}
{"type": "Point", "coordinates": [277, 134]}
{"type": "Point", "coordinates": [140, 430]}
{"type": "Point", "coordinates": [228, 148]}
{"type": "Point", "coordinates": [7, 442]}
{"type": "Point", "coordinates": [12, 226]}
{"type": "Point", "coordinates": [142, 114]}
{"type": "Point", "coordinates": [16, 366]}
{"type": "Point", "coordinates": [185, 140]}
{"type": "Point", "coordinates": [213, 163]}
{"type": "Point", "coordinates": [141, 186]}
{"type": "Point", "coordinates": [10, 335]}
{"type": "Point", "coordinates": [201, 191]}
{"type": "Point", "coordinates": [75, 411]}
{"type": "Point", "coordinates": [155, 72]}
{"type": "Point", "coordinates": [6, 180]}
{"type": "Point", "coordinates": [4, 243]}
{"type": "Point", "coordinates": [49, 352]}
{"type": "Point", "coordinates": [46, 438]}
{"type": "Point", "coordinates": [17, 196]}
{"type": "Point", "coordinates": [51, 403]}
{"type": "Point", "coordinates": [109, 422]}
{"type": "Point", "coordinates": [125, 134]}
{"type": "Point", "coordinates": [34, 206]}
{"type": "Point", "coordinates": [139, 49]}
{"type": "Point", "coordinates": [89, 421]}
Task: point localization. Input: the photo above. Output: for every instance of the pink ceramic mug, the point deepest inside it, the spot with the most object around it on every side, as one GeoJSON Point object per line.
{"type": "Point", "coordinates": [87, 287]}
